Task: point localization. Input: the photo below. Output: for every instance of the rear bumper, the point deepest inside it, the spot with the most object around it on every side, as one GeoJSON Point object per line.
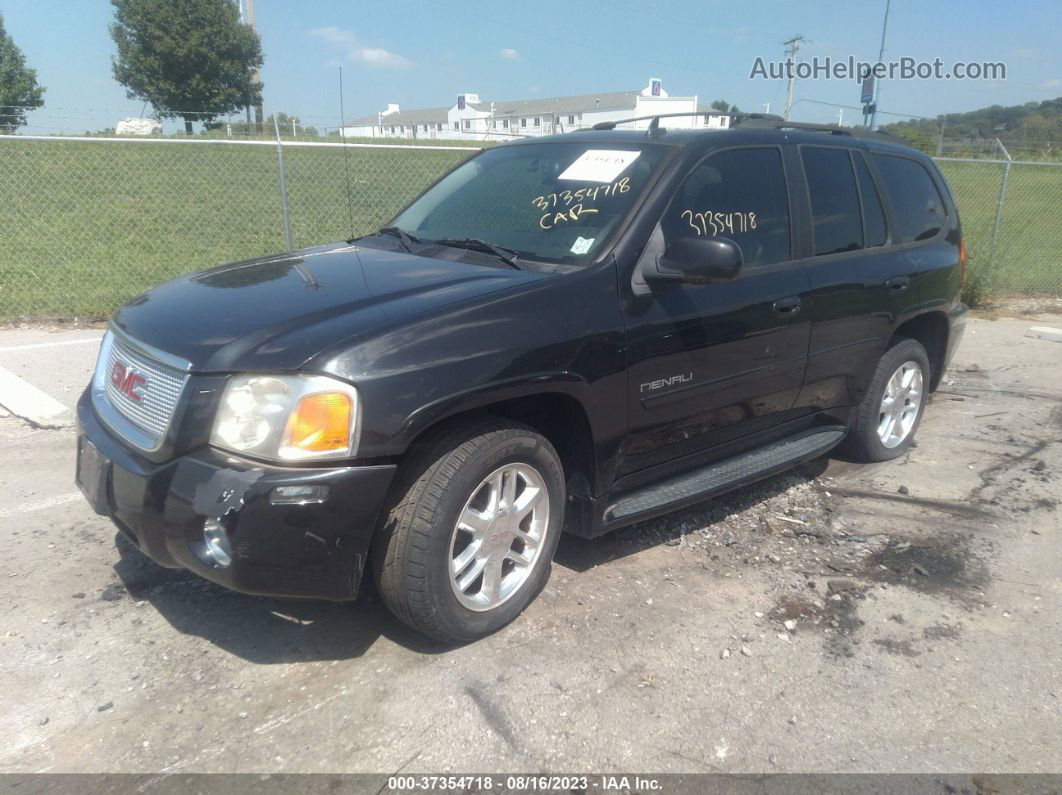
{"type": "Point", "coordinates": [956, 327]}
{"type": "Point", "coordinates": [313, 550]}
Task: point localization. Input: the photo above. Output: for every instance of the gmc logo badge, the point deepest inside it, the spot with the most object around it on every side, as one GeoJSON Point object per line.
{"type": "Point", "coordinates": [127, 380]}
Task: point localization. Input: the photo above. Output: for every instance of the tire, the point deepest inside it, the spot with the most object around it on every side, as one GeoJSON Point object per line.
{"type": "Point", "coordinates": [866, 442]}
{"type": "Point", "coordinates": [421, 541]}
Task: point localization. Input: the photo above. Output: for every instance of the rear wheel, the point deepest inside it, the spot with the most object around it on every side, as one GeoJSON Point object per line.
{"type": "Point", "coordinates": [470, 536]}
{"type": "Point", "coordinates": [888, 417]}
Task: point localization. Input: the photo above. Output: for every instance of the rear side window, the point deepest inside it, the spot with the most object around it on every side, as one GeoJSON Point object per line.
{"type": "Point", "coordinates": [917, 207]}
{"type": "Point", "coordinates": [739, 194]}
{"type": "Point", "coordinates": [874, 229]}
{"type": "Point", "coordinates": [834, 200]}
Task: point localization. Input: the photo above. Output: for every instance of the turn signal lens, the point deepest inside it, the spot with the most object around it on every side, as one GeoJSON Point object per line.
{"type": "Point", "coordinates": [321, 423]}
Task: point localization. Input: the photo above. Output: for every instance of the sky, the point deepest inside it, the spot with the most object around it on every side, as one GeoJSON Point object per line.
{"type": "Point", "coordinates": [423, 54]}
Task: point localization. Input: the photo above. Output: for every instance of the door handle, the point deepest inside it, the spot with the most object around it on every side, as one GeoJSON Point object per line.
{"type": "Point", "coordinates": [787, 306]}
{"type": "Point", "coordinates": [898, 283]}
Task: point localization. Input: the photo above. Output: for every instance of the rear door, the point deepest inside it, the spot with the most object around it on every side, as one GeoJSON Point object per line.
{"type": "Point", "coordinates": [861, 281]}
{"type": "Point", "coordinates": [710, 363]}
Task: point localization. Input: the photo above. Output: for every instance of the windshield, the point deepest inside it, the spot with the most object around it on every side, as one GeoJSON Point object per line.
{"type": "Point", "coordinates": [554, 202]}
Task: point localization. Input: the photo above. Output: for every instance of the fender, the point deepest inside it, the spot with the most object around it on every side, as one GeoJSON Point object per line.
{"type": "Point", "coordinates": [564, 383]}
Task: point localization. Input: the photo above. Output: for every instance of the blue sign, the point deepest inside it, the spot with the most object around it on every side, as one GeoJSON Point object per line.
{"type": "Point", "coordinates": [655, 87]}
{"type": "Point", "coordinates": [460, 101]}
{"type": "Point", "coordinates": [867, 93]}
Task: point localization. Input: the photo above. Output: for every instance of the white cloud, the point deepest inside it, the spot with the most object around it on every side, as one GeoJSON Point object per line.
{"type": "Point", "coordinates": [377, 56]}
{"type": "Point", "coordinates": [1052, 84]}
{"type": "Point", "coordinates": [509, 54]}
{"type": "Point", "coordinates": [356, 53]}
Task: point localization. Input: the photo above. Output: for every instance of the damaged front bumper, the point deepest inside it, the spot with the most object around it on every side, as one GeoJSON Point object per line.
{"type": "Point", "coordinates": [299, 549]}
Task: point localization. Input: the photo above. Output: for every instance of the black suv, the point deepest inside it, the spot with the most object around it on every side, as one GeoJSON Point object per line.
{"type": "Point", "coordinates": [568, 333]}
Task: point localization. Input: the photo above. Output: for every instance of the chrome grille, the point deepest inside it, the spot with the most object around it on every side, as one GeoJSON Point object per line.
{"type": "Point", "coordinates": [159, 392]}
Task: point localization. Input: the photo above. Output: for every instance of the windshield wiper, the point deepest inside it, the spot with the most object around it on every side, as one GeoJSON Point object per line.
{"type": "Point", "coordinates": [506, 255]}
{"type": "Point", "coordinates": [404, 238]}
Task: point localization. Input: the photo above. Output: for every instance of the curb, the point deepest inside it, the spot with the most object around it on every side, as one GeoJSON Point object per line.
{"type": "Point", "coordinates": [1045, 333]}
{"type": "Point", "coordinates": [25, 401]}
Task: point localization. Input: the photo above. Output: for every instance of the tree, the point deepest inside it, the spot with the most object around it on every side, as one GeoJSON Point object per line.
{"type": "Point", "coordinates": [724, 107]}
{"type": "Point", "coordinates": [19, 91]}
{"type": "Point", "coordinates": [191, 59]}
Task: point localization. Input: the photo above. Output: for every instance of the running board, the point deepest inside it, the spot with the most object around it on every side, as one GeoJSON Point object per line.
{"type": "Point", "coordinates": [691, 487]}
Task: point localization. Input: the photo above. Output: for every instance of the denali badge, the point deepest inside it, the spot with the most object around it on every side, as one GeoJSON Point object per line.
{"type": "Point", "coordinates": [126, 380]}
{"type": "Point", "coordinates": [681, 378]}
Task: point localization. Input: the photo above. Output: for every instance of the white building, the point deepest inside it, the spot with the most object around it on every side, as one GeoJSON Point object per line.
{"type": "Point", "coordinates": [471, 118]}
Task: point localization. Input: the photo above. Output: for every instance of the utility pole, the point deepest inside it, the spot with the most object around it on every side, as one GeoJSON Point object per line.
{"type": "Point", "coordinates": [243, 21]}
{"type": "Point", "coordinates": [792, 48]}
{"type": "Point", "coordinates": [881, 57]}
{"type": "Point", "coordinates": [257, 76]}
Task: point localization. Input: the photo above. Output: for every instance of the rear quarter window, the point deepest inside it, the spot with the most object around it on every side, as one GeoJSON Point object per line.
{"type": "Point", "coordinates": [918, 209]}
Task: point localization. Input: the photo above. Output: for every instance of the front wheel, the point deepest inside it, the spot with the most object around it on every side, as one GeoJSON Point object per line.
{"type": "Point", "coordinates": [470, 536]}
{"type": "Point", "coordinates": [892, 409]}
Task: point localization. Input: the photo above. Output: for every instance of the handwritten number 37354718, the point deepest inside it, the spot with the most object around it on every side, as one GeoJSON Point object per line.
{"type": "Point", "coordinates": [712, 223]}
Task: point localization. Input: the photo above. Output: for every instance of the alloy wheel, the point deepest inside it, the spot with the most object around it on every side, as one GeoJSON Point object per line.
{"type": "Point", "coordinates": [900, 404]}
{"type": "Point", "coordinates": [498, 536]}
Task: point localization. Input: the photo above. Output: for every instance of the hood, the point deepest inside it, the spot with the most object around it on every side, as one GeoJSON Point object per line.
{"type": "Point", "coordinates": [277, 312]}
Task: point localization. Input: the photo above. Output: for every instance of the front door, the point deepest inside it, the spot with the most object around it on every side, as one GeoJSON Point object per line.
{"type": "Point", "coordinates": [711, 363]}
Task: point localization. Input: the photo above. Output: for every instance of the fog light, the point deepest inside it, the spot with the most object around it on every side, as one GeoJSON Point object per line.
{"type": "Point", "coordinates": [216, 546]}
{"type": "Point", "coordinates": [298, 495]}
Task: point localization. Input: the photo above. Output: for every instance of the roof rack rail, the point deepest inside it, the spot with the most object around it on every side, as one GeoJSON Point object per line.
{"type": "Point", "coordinates": [832, 129]}
{"type": "Point", "coordinates": [654, 120]}
{"type": "Point", "coordinates": [767, 121]}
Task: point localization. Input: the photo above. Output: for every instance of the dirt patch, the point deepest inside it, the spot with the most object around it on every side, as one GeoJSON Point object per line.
{"type": "Point", "coordinates": [940, 565]}
{"type": "Point", "coordinates": [903, 648]}
{"type": "Point", "coordinates": [836, 616]}
{"type": "Point", "coordinates": [113, 592]}
{"type": "Point", "coordinates": [942, 632]}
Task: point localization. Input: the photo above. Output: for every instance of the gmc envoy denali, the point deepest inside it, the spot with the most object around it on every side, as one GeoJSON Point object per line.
{"type": "Point", "coordinates": [569, 333]}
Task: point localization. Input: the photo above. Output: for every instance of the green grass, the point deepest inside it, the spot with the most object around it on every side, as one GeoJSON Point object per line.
{"type": "Point", "coordinates": [86, 226]}
{"type": "Point", "coordinates": [1027, 256]}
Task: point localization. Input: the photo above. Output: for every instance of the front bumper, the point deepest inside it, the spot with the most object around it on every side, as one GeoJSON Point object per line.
{"type": "Point", "coordinates": [313, 550]}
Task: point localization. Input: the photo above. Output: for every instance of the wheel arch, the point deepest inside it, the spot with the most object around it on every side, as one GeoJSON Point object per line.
{"type": "Point", "coordinates": [555, 412]}
{"type": "Point", "coordinates": [931, 330]}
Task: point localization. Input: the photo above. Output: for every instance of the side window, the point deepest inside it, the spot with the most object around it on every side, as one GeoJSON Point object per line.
{"type": "Point", "coordinates": [739, 194]}
{"type": "Point", "coordinates": [873, 215]}
{"type": "Point", "coordinates": [834, 200]}
{"type": "Point", "coordinates": [918, 210]}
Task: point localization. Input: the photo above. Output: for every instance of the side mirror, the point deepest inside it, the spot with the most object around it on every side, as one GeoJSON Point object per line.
{"type": "Point", "coordinates": [699, 260]}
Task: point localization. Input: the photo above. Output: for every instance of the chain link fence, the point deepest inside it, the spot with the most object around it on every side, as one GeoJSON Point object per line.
{"type": "Point", "coordinates": [1011, 214]}
{"type": "Point", "coordinates": [87, 223]}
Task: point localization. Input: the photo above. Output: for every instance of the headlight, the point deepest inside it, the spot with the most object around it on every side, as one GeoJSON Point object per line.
{"type": "Point", "coordinates": [287, 417]}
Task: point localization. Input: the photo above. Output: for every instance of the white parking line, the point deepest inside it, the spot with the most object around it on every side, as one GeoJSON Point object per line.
{"type": "Point", "coordinates": [31, 345]}
{"type": "Point", "coordinates": [24, 400]}
{"type": "Point", "coordinates": [51, 502]}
